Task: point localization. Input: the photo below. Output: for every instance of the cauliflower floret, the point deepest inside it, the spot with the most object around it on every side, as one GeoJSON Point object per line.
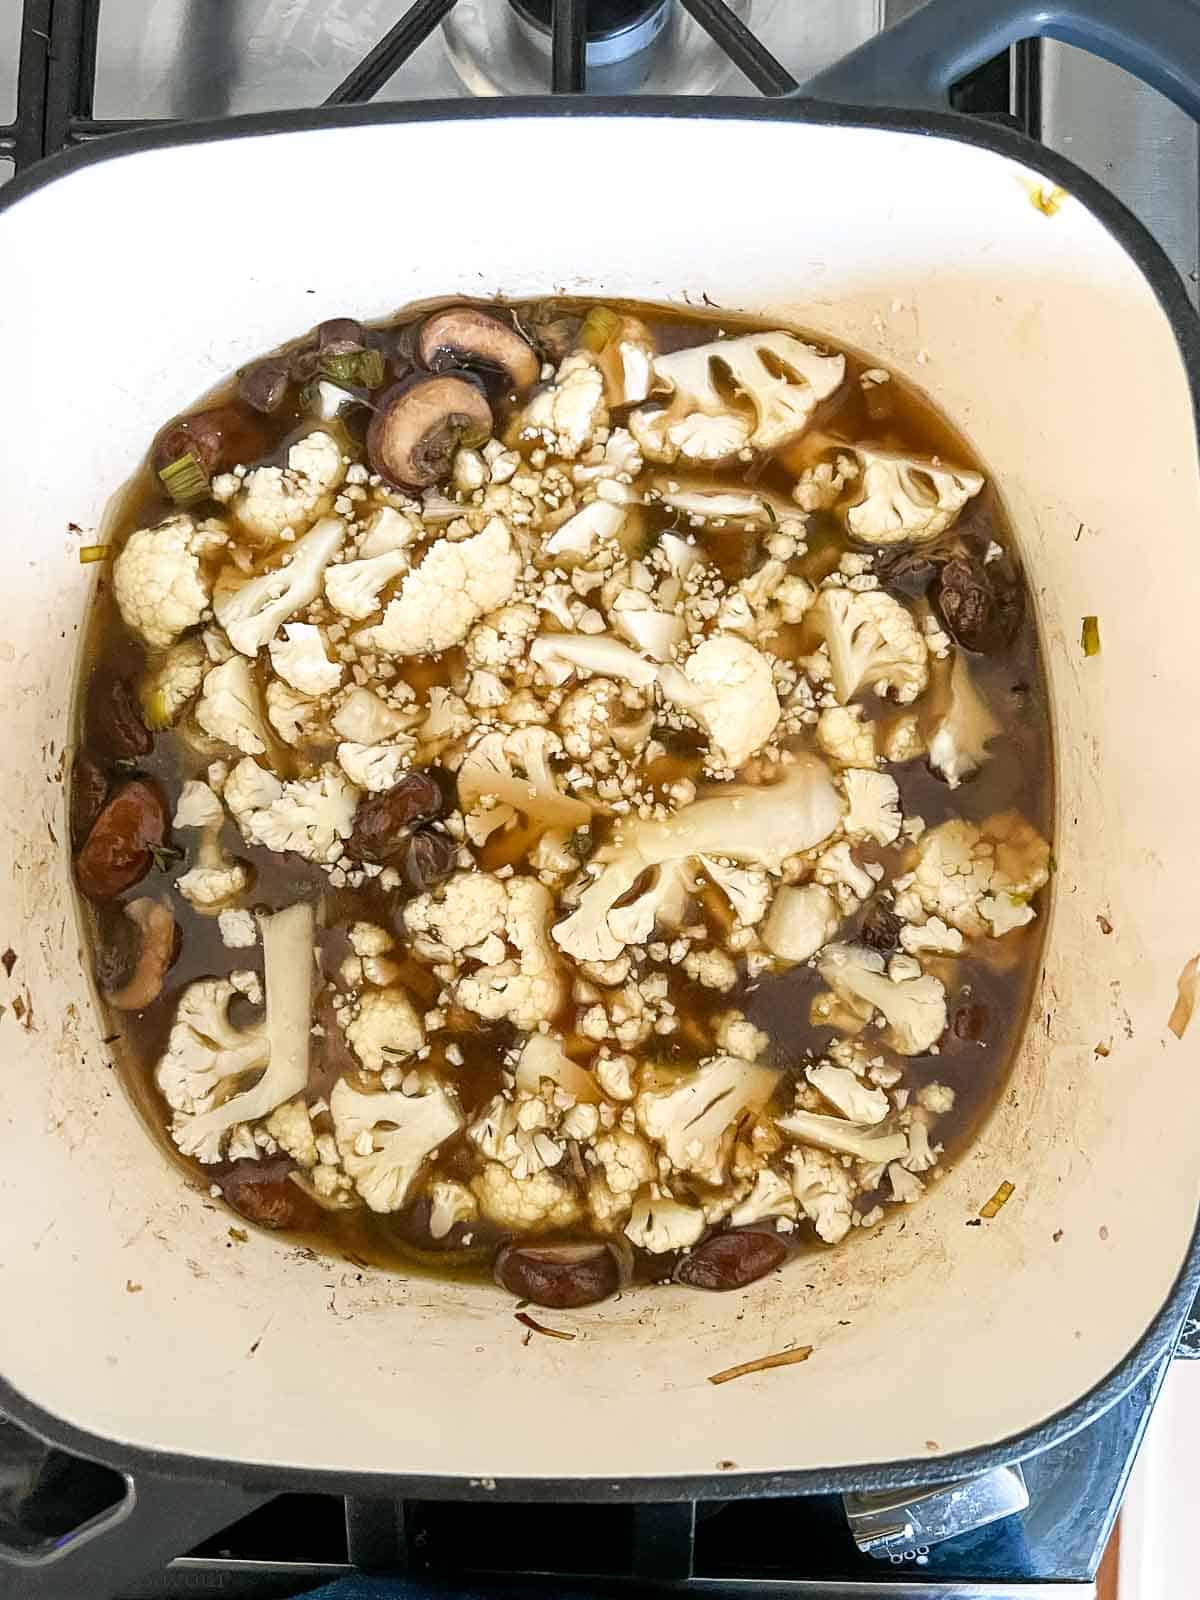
{"type": "Point", "coordinates": [932, 936]}
{"type": "Point", "coordinates": [543, 1060]}
{"type": "Point", "coordinates": [442, 599]}
{"type": "Point", "coordinates": [385, 1029]}
{"type": "Point", "coordinates": [780, 377]}
{"type": "Point", "coordinates": [824, 1191]}
{"type": "Point", "coordinates": [239, 931]}
{"type": "Point", "coordinates": [207, 1059]}
{"type": "Point", "coordinates": [654, 632]}
{"type": "Point", "coordinates": [936, 1098]}
{"type": "Point", "coordinates": [384, 1139]}
{"type": "Point", "coordinates": [531, 990]}
{"type": "Point", "coordinates": [728, 686]}
{"type": "Point", "coordinates": [771, 1196]}
{"type": "Point", "coordinates": [312, 816]}
{"type": "Point", "coordinates": [846, 1094]}
{"type": "Point", "coordinates": [364, 718]}
{"type": "Point", "coordinates": [712, 968]}
{"type": "Point", "coordinates": [216, 878]}
{"type": "Point", "coordinates": [627, 1162]}
{"type": "Point", "coordinates": [693, 1118]}
{"type": "Point", "coordinates": [748, 889]}
{"type": "Point", "coordinates": [599, 521]}
{"type": "Point", "coordinates": [368, 939]}
{"type": "Point", "coordinates": [845, 737]}
{"type": "Point", "coordinates": [159, 581]}
{"type": "Point", "coordinates": [376, 767]}
{"type": "Point", "coordinates": [274, 499]}
{"type": "Point", "coordinates": [872, 806]}
{"type": "Point", "coordinates": [914, 1008]}
{"type": "Point", "coordinates": [958, 744]}
{"type": "Point", "coordinates": [615, 1076]}
{"type": "Point", "coordinates": [449, 1203]}
{"type": "Point", "coordinates": [872, 640]}
{"type": "Point", "coordinates": [823, 485]}
{"type": "Point", "coordinates": [228, 707]}
{"type": "Point", "coordinates": [849, 883]}
{"type": "Point", "coordinates": [739, 1037]}
{"type": "Point", "coordinates": [903, 740]}
{"type": "Point", "coordinates": [976, 878]}
{"type": "Point", "coordinates": [250, 610]}
{"type": "Point", "coordinates": [296, 718]}
{"type": "Point", "coordinates": [541, 1200]}
{"type": "Point", "coordinates": [460, 914]}
{"type": "Point", "coordinates": [388, 530]}
{"type": "Point", "coordinates": [447, 719]}
{"type": "Point", "coordinates": [593, 717]}
{"type": "Point", "coordinates": [906, 499]}
{"type": "Point", "coordinates": [566, 415]}
{"type": "Point", "coordinates": [660, 1223]}
{"type": "Point", "coordinates": [560, 655]}
{"type": "Point", "coordinates": [299, 658]}
{"type": "Point", "coordinates": [619, 459]}
{"type": "Point", "coordinates": [353, 588]}
{"type": "Point", "coordinates": [505, 773]}
{"type": "Point", "coordinates": [290, 1125]}
{"type": "Point", "coordinates": [500, 641]}
{"type": "Point", "coordinates": [801, 922]}
{"type": "Point", "coordinates": [172, 682]}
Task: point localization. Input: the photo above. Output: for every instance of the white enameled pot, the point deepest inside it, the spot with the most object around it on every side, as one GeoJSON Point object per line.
{"type": "Point", "coordinates": [1059, 356]}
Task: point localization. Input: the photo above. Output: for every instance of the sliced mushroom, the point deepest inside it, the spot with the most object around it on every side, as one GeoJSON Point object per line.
{"type": "Point", "coordinates": [340, 336]}
{"type": "Point", "coordinates": [559, 1276]}
{"type": "Point", "coordinates": [264, 386]}
{"type": "Point", "coordinates": [732, 1260]}
{"type": "Point", "coordinates": [419, 425]}
{"type": "Point", "coordinates": [464, 337]}
{"type": "Point", "coordinates": [156, 927]}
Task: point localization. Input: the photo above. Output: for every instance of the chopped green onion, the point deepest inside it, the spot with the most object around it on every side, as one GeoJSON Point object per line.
{"type": "Point", "coordinates": [1090, 637]}
{"type": "Point", "coordinates": [185, 480]}
{"type": "Point", "coordinates": [93, 552]}
{"type": "Point", "coordinates": [361, 369]}
{"type": "Point", "coordinates": [599, 329]}
{"type": "Point", "coordinates": [998, 1201]}
{"type": "Point", "coordinates": [156, 713]}
{"type": "Point", "coordinates": [165, 855]}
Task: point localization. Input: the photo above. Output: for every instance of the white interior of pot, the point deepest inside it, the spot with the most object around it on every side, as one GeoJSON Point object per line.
{"type": "Point", "coordinates": [128, 1310]}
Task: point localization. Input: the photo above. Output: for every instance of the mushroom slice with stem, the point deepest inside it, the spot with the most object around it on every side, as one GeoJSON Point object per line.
{"type": "Point", "coordinates": [421, 423]}
{"type": "Point", "coordinates": [156, 928]}
{"type": "Point", "coordinates": [462, 336]}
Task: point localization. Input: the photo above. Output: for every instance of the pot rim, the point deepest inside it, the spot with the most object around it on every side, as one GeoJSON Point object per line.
{"type": "Point", "coordinates": [1157, 1343]}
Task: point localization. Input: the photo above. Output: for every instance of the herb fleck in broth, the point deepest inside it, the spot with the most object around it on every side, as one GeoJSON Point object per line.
{"type": "Point", "coordinates": [685, 1047]}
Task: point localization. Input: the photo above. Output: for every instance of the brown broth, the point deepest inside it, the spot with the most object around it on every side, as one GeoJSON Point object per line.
{"type": "Point", "coordinates": [997, 976]}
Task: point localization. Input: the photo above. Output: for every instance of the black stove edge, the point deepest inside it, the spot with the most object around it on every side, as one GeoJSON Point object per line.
{"type": "Point", "coordinates": [1162, 1333]}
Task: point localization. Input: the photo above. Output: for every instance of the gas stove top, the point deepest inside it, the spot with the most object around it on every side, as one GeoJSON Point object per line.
{"type": "Point", "coordinates": [73, 70]}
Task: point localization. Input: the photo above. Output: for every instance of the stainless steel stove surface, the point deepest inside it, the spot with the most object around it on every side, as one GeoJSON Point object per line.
{"type": "Point", "coordinates": [70, 70]}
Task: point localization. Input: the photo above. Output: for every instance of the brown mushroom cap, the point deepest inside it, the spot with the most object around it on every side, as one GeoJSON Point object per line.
{"type": "Point", "coordinates": [420, 424]}
{"type": "Point", "coordinates": [155, 923]}
{"type": "Point", "coordinates": [464, 337]}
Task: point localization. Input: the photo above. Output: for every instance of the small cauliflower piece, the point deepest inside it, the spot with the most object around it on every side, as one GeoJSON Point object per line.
{"type": "Point", "coordinates": [903, 740]}
{"type": "Point", "coordinates": [976, 878]}
{"type": "Point", "coordinates": [693, 1118]}
{"type": "Point", "coordinates": [872, 806]}
{"type": "Point", "coordinates": [215, 878]}
{"type": "Point", "coordinates": [449, 1203]}
{"type": "Point", "coordinates": [780, 379]}
{"type": "Point", "coordinates": [822, 485]}
{"type": "Point", "coordinates": [364, 718]}
{"type": "Point", "coordinates": [748, 889]}
{"type": "Point", "coordinates": [771, 1196]}
{"type": "Point", "coordinates": [873, 642]}
{"type": "Point", "coordinates": [540, 1201]}
{"type": "Point", "coordinates": [559, 655]}
{"type": "Point", "coordinates": [847, 1094]}
{"type": "Point", "coordinates": [543, 1058]}
{"type": "Point", "coordinates": [461, 913]}
{"type": "Point", "coordinates": [660, 1223]}
{"type": "Point", "coordinates": [206, 1058]}
{"type": "Point", "coordinates": [598, 521]}
{"type": "Point", "coordinates": [915, 1008]}
{"type": "Point", "coordinates": [655, 633]}
{"type": "Point", "coordinates": [274, 499]}
{"type": "Point", "coordinates": [627, 362]}
{"type": "Point", "coordinates": [933, 937]}
{"type": "Point", "coordinates": [228, 708]}
{"type": "Point", "coordinates": [312, 816]}
{"type": "Point", "coordinates": [385, 1029]}
{"type": "Point", "coordinates": [824, 1192]}
{"type": "Point", "coordinates": [298, 719]}
{"type": "Point", "coordinates": [385, 1139]}
{"type": "Point", "coordinates": [711, 968]}
{"type": "Point", "coordinates": [531, 990]}
{"type": "Point", "coordinates": [172, 682]}
{"type": "Point", "coordinates": [801, 922]}
{"type": "Point", "coordinates": [874, 1143]}
{"type": "Point", "coordinates": [441, 600]}
{"type": "Point", "coordinates": [566, 415]}
{"type": "Point", "coordinates": [506, 773]}
{"type": "Point", "coordinates": [737, 1036]}
{"type": "Point", "coordinates": [958, 744]}
{"type": "Point", "coordinates": [376, 767]}
{"type": "Point", "coordinates": [849, 883]}
{"type": "Point", "coordinates": [728, 686]}
{"type": "Point", "coordinates": [907, 499]}
{"type": "Point", "coordinates": [845, 737]}
{"type": "Point", "coordinates": [354, 588]}
{"type": "Point", "coordinates": [615, 1075]}
{"type": "Point", "coordinates": [299, 659]}
{"type": "Point", "coordinates": [290, 1125]}
{"type": "Point", "coordinates": [159, 582]}
{"type": "Point", "coordinates": [239, 931]}
{"type": "Point", "coordinates": [251, 609]}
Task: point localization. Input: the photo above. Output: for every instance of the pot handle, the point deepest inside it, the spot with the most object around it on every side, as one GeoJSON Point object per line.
{"type": "Point", "coordinates": [915, 62]}
{"type": "Point", "coordinates": [157, 1520]}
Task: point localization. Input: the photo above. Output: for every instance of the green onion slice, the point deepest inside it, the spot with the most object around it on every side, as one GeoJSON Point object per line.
{"type": "Point", "coordinates": [185, 480]}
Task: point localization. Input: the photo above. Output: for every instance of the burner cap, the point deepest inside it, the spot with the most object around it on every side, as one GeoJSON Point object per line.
{"type": "Point", "coordinates": [605, 18]}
